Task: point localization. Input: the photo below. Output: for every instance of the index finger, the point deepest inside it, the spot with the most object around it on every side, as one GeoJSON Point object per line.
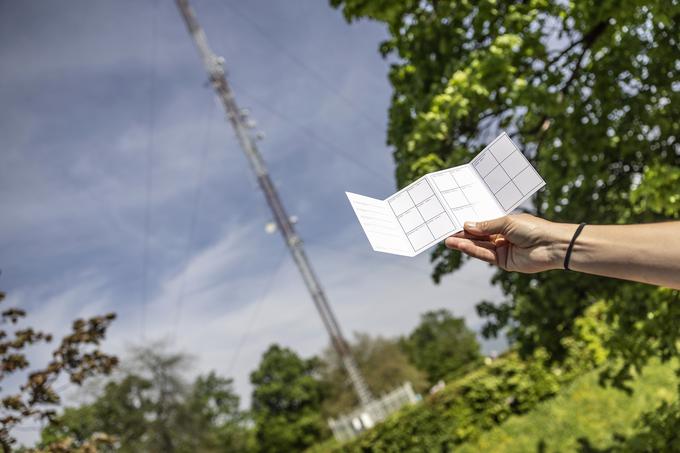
{"type": "Point", "coordinates": [495, 239]}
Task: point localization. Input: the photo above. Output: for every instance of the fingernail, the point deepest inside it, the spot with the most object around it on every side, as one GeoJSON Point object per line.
{"type": "Point", "coordinates": [469, 225]}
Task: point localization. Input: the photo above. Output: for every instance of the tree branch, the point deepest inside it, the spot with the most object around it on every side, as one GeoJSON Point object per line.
{"type": "Point", "coordinates": [588, 41]}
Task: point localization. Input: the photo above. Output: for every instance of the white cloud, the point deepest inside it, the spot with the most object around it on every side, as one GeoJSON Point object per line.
{"type": "Point", "coordinates": [368, 291]}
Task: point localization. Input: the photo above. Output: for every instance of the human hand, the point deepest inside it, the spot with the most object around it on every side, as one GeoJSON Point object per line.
{"type": "Point", "coordinates": [521, 243]}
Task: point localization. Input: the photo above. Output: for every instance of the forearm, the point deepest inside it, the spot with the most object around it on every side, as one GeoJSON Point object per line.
{"type": "Point", "coordinates": [648, 253]}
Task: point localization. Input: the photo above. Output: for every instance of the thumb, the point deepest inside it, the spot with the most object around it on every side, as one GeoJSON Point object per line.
{"type": "Point", "coordinates": [487, 227]}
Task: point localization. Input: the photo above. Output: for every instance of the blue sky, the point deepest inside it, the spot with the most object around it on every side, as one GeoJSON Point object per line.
{"type": "Point", "coordinates": [123, 189]}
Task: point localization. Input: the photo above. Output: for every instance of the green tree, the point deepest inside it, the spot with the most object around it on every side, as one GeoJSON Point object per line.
{"type": "Point", "coordinates": [286, 401]}
{"type": "Point", "coordinates": [589, 90]}
{"type": "Point", "coordinates": [213, 402]}
{"type": "Point", "coordinates": [77, 358]}
{"type": "Point", "coordinates": [120, 410]}
{"type": "Point", "coordinates": [164, 397]}
{"type": "Point", "coordinates": [441, 345]}
{"type": "Point", "coordinates": [152, 408]}
{"type": "Point", "coordinates": [382, 363]}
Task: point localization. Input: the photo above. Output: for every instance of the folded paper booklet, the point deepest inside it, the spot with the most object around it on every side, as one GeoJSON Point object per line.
{"type": "Point", "coordinates": [434, 207]}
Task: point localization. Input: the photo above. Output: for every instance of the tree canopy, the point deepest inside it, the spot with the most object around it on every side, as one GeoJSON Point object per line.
{"type": "Point", "coordinates": [150, 407]}
{"type": "Point", "coordinates": [589, 89]}
{"type": "Point", "coordinates": [441, 345]}
{"type": "Point", "coordinates": [286, 401]}
{"type": "Point", "coordinates": [78, 357]}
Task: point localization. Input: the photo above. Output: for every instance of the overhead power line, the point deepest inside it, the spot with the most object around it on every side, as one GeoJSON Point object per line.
{"type": "Point", "coordinates": [326, 144]}
{"type": "Point", "coordinates": [267, 287]}
{"type": "Point", "coordinates": [193, 218]}
{"type": "Point", "coordinates": [149, 165]}
{"type": "Point", "coordinates": [401, 264]}
{"type": "Point", "coordinates": [320, 78]}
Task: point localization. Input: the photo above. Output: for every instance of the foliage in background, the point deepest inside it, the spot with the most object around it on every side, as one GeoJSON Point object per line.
{"type": "Point", "coordinates": [488, 396]}
{"type": "Point", "coordinates": [78, 357]}
{"type": "Point", "coordinates": [151, 408]}
{"type": "Point", "coordinates": [213, 402]}
{"type": "Point", "coordinates": [465, 408]}
{"type": "Point", "coordinates": [590, 91]}
{"type": "Point", "coordinates": [658, 431]}
{"type": "Point", "coordinates": [441, 345]}
{"type": "Point", "coordinates": [286, 402]}
{"type": "Point", "coordinates": [382, 363]}
{"type": "Point", "coordinates": [588, 418]}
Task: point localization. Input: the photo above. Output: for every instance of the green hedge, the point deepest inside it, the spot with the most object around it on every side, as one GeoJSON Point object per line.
{"type": "Point", "coordinates": [587, 417]}
{"type": "Point", "coordinates": [485, 397]}
{"type": "Point", "coordinates": [464, 408]}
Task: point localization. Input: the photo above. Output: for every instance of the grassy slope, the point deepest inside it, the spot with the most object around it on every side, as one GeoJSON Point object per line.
{"type": "Point", "coordinates": [583, 410]}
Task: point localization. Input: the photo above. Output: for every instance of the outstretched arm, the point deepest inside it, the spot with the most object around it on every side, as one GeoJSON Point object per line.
{"type": "Point", "coordinates": [648, 253]}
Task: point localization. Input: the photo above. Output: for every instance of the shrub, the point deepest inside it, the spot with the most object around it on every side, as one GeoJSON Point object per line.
{"type": "Point", "coordinates": [487, 396]}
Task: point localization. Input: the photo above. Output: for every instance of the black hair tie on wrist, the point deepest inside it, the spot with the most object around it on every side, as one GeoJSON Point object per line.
{"type": "Point", "coordinates": [567, 257]}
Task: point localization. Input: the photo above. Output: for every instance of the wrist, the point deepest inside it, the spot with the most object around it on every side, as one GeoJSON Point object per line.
{"type": "Point", "coordinates": [560, 235]}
